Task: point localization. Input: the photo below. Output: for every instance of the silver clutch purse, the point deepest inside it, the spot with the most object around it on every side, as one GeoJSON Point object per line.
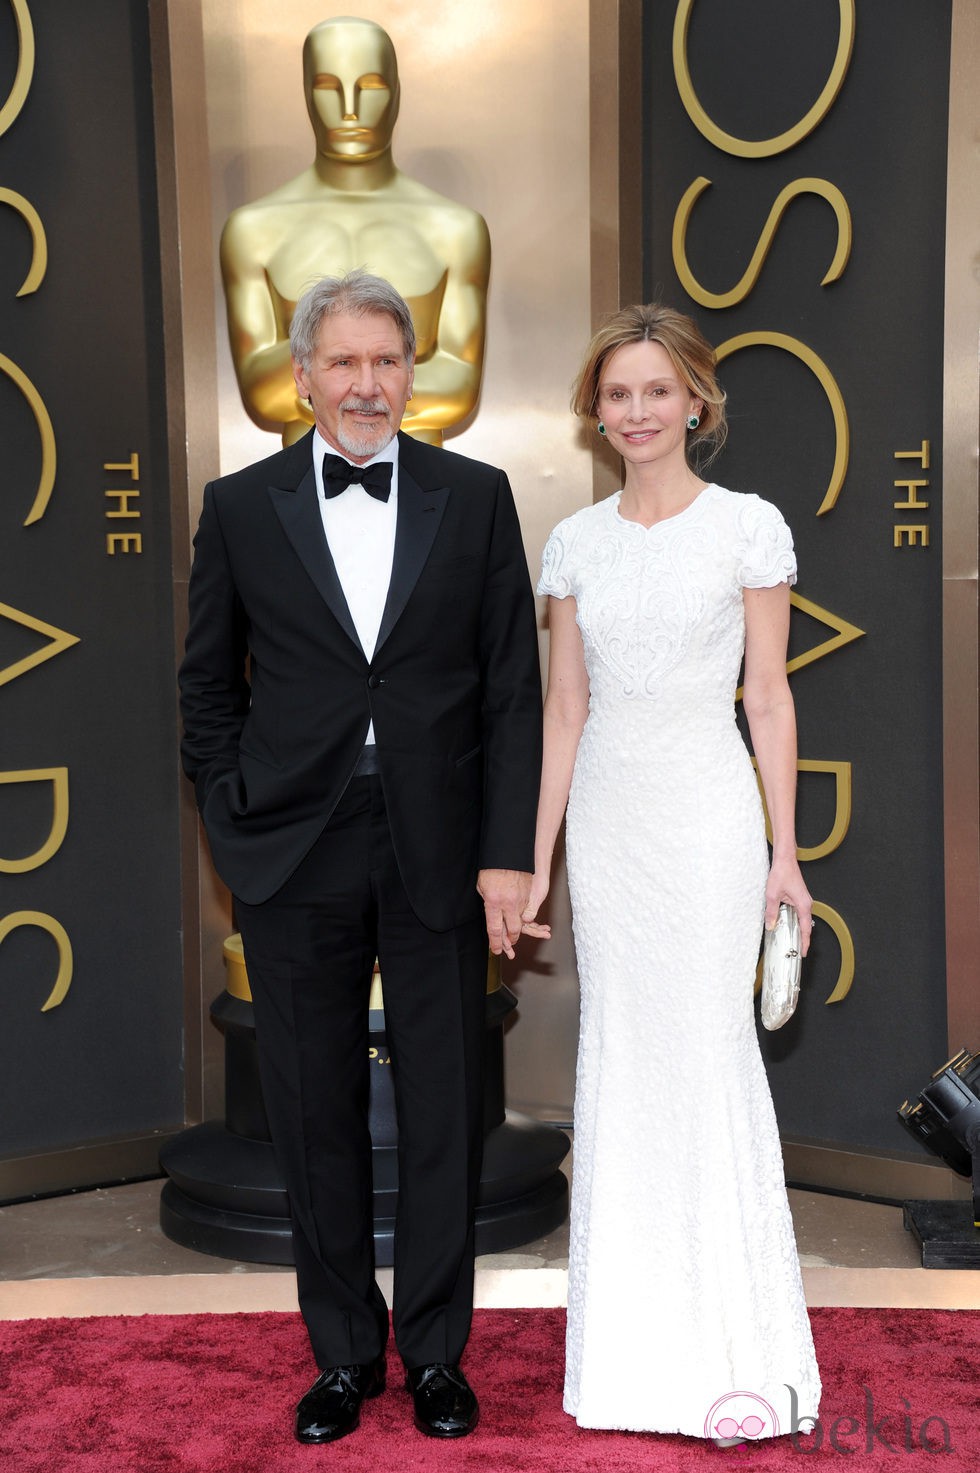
{"type": "Point", "coordinates": [781, 963]}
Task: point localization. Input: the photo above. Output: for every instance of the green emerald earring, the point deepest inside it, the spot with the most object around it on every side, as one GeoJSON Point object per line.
{"type": "Point", "coordinates": [601, 428]}
{"type": "Point", "coordinates": [693, 420]}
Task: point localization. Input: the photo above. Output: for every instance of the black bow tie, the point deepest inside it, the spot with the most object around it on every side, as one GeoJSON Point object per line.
{"type": "Point", "coordinates": [338, 474]}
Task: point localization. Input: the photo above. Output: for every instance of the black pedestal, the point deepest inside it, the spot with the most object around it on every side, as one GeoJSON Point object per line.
{"type": "Point", "coordinates": [945, 1233]}
{"type": "Point", "coordinates": [224, 1195]}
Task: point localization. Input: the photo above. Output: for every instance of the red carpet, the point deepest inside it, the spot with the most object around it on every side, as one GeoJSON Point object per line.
{"type": "Point", "coordinates": [214, 1394]}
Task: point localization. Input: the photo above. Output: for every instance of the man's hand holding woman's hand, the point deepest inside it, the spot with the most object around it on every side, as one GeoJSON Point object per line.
{"type": "Point", "coordinates": [511, 899]}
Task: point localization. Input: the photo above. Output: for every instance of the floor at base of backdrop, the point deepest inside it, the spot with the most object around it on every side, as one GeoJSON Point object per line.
{"type": "Point", "coordinates": [102, 1252]}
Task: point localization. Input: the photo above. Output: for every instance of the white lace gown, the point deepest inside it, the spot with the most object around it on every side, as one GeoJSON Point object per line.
{"type": "Point", "coordinates": [685, 1304]}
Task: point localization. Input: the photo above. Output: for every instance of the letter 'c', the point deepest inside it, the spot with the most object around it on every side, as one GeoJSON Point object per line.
{"type": "Point", "coordinates": [816, 365]}
{"type": "Point", "coordinates": [42, 418]}
{"type": "Point", "coordinates": [54, 929]}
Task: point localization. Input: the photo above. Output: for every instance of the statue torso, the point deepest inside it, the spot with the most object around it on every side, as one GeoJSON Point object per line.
{"type": "Point", "coordinates": [298, 241]}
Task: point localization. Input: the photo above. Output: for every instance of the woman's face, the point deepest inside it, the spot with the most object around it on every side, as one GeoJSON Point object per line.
{"type": "Point", "coordinates": [644, 405]}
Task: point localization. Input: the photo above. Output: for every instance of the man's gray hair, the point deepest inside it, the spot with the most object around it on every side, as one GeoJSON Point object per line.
{"type": "Point", "coordinates": [357, 294]}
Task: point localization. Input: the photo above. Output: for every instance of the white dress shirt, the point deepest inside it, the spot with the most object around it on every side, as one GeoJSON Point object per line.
{"type": "Point", "coordinates": [360, 532]}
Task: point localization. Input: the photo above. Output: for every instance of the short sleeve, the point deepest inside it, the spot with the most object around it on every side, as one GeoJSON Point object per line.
{"type": "Point", "coordinates": [764, 546]}
{"type": "Point", "coordinates": [555, 579]}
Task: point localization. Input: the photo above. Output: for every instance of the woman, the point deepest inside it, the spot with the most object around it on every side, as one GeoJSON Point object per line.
{"type": "Point", "coordinates": [685, 1306]}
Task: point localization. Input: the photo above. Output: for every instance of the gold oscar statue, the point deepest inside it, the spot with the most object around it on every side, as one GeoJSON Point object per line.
{"type": "Point", "coordinates": [352, 207]}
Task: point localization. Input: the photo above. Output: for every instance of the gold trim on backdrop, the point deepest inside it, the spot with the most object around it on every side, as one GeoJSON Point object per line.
{"type": "Point", "coordinates": [186, 257]}
{"type": "Point", "coordinates": [961, 396]}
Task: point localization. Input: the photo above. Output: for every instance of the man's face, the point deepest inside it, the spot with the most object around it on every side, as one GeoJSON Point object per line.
{"type": "Point", "coordinates": [358, 382]}
{"type": "Point", "coordinates": [351, 89]}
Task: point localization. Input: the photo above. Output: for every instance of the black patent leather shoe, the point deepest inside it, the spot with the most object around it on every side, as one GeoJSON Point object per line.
{"type": "Point", "coordinates": [332, 1406]}
{"type": "Point", "coordinates": [444, 1403]}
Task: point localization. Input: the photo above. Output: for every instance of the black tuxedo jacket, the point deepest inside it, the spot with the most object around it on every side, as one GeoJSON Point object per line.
{"type": "Point", "coordinates": [277, 693]}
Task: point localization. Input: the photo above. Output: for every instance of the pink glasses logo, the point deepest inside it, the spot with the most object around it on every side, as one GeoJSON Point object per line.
{"type": "Point", "coordinates": [740, 1416]}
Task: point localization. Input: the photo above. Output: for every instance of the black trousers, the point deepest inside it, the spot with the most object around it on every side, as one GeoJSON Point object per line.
{"type": "Point", "coordinates": [310, 951]}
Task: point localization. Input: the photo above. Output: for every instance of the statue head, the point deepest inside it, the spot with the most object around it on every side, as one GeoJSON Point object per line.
{"type": "Point", "coordinates": [350, 77]}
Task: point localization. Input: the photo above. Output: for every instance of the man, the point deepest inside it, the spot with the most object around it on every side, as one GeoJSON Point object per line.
{"type": "Point", "coordinates": [353, 205]}
{"type": "Point", "coordinates": [377, 770]}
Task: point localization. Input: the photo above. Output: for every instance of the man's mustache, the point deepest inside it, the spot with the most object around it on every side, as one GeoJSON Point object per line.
{"type": "Point", "coordinates": [365, 406]}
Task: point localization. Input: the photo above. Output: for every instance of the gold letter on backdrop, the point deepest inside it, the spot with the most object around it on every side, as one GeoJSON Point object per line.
{"type": "Point", "coordinates": [54, 929]}
{"type": "Point", "coordinates": [846, 634]}
{"type": "Point", "coordinates": [46, 429]}
{"type": "Point", "coordinates": [827, 382]}
{"type": "Point", "coordinates": [58, 778]}
{"type": "Point", "coordinates": [57, 639]}
{"type": "Point", "coordinates": [39, 251]}
{"type": "Point", "coordinates": [839, 926]}
{"type": "Point", "coordinates": [25, 65]}
{"type": "Point", "coordinates": [738, 293]}
{"type": "Point", "coordinates": [765, 147]}
{"type": "Point", "coordinates": [841, 772]}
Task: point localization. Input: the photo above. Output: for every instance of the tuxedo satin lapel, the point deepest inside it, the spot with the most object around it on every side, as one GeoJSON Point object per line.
{"type": "Point", "coordinates": [299, 513]}
{"type": "Point", "coordinates": [419, 515]}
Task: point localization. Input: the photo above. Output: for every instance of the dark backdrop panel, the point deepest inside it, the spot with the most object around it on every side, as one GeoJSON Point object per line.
{"type": "Point", "coordinates": [106, 1060]}
{"type": "Point", "coordinates": [838, 1072]}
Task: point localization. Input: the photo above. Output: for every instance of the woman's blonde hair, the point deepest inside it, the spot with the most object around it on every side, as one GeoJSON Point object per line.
{"type": "Point", "coordinates": [690, 352]}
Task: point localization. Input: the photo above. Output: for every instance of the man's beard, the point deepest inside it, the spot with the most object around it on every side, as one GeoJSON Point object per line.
{"type": "Point", "coordinates": [363, 440]}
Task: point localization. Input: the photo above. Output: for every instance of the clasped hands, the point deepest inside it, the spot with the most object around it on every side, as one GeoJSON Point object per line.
{"type": "Point", "coordinates": [511, 899]}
